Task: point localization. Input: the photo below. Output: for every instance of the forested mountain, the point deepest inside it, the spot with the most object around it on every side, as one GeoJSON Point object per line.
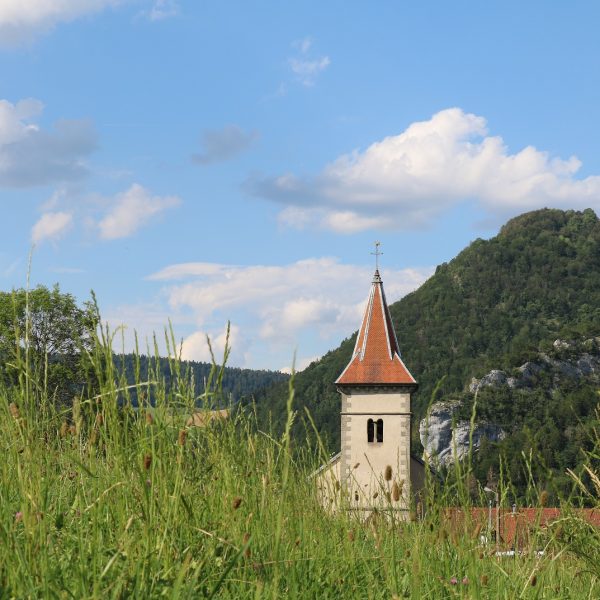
{"type": "Point", "coordinates": [237, 384]}
{"type": "Point", "coordinates": [499, 303]}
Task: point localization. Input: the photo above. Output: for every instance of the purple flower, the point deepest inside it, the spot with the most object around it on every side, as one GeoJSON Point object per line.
{"type": "Point", "coordinates": [453, 580]}
{"type": "Point", "coordinates": [18, 516]}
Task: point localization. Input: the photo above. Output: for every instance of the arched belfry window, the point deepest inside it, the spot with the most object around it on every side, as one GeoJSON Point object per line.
{"type": "Point", "coordinates": [380, 430]}
{"type": "Point", "coordinates": [370, 430]}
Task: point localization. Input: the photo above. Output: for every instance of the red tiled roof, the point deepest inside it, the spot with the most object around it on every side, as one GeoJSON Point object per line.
{"type": "Point", "coordinates": [376, 357]}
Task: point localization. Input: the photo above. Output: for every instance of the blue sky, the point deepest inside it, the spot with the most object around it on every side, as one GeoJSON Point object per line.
{"type": "Point", "coordinates": [205, 161]}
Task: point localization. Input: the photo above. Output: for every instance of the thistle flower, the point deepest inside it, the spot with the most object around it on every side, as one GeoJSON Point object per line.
{"type": "Point", "coordinates": [182, 437]}
{"type": "Point", "coordinates": [147, 461]}
{"type": "Point", "coordinates": [237, 501]}
{"type": "Point", "coordinates": [388, 473]}
{"type": "Point", "coordinates": [453, 580]}
{"type": "Point", "coordinates": [14, 410]}
{"type": "Point", "coordinates": [396, 491]}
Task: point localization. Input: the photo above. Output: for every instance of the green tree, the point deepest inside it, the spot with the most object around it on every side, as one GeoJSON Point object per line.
{"type": "Point", "coordinates": [46, 330]}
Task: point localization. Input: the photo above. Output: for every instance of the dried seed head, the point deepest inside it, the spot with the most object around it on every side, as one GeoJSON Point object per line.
{"type": "Point", "coordinates": [544, 498]}
{"type": "Point", "coordinates": [337, 485]}
{"type": "Point", "coordinates": [375, 495]}
{"type": "Point", "coordinates": [182, 437]}
{"type": "Point", "coordinates": [237, 501]}
{"type": "Point", "coordinates": [484, 579]}
{"type": "Point", "coordinates": [407, 554]}
{"type": "Point", "coordinates": [533, 580]}
{"type": "Point", "coordinates": [147, 461]}
{"type": "Point", "coordinates": [388, 473]}
{"type": "Point", "coordinates": [93, 437]}
{"type": "Point", "coordinates": [247, 551]}
{"type": "Point", "coordinates": [356, 496]}
{"type": "Point", "coordinates": [64, 429]}
{"type": "Point", "coordinates": [396, 492]}
{"type": "Point", "coordinates": [73, 430]}
{"type": "Point", "coordinates": [356, 466]}
{"type": "Point", "coordinates": [99, 420]}
{"type": "Point", "coordinates": [297, 542]}
{"type": "Point", "coordinates": [149, 418]}
{"type": "Point", "coordinates": [351, 536]}
{"type": "Point", "coordinates": [14, 410]}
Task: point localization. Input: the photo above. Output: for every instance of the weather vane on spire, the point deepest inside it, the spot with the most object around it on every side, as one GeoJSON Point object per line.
{"type": "Point", "coordinates": [377, 254]}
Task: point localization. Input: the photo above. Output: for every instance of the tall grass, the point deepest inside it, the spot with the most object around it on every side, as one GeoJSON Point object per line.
{"type": "Point", "coordinates": [106, 500]}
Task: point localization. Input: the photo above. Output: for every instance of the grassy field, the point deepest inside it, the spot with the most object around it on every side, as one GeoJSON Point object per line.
{"type": "Point", "coordinates": [103, 501]}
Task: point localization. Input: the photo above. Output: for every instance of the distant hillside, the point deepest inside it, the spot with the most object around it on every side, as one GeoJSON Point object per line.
{"type": "Point", "coordinates": [496, 305]}
{"type": "Point", "coordinates": [238, 384]}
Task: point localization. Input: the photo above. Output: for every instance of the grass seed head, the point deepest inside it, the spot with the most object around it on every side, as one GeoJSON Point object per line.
{"type": "Point", "coordinates": [544, 498]}
{"type": "Point", "coordinates": [182, 437]}
{"type": "Point", "coordinates": [149, 418]}
{"type": "Point", "coordinates": [396, 491]}
{"type": "Point", "coordinates": [237, 502]}
{"type": "Point", "coordinates": [64, 429]}
{"type": "Point", "coordinates": [351, 536]}
{"type": "Point", "coordinates": [484, 580]}
{"type": "Point", "coordinates": [14, 410]}
{"type": "Point", "coordinates": [147, 461]}
{"type": "Point", "coordinates": [388, 473]}
{"type": "Point", "coordinates": [99, 420]}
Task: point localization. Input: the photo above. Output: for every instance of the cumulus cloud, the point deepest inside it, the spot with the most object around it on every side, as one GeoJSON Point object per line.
{"type": "Point", "coordinates": [306, 68]}
{"type": "Point", "coordinates": [51, 226]}
{"type": "Point", "coordinates": [131, 210]}
{"type": "Point", "coordinates": [31, 156]}
{"type": "Point", "coordinates": [224, 144]}
{"type": "Point", "coordinates": [195, 346]}
{"type": "Point", "coordinates": [21, 20]}
{"type": "Point", "coordinates": [277, 303]}
{"type": "Point", "coordinates": [407, 179]}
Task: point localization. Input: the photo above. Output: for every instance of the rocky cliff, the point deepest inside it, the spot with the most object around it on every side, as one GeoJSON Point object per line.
{"type": "Point", "coordinates": [445, 434]}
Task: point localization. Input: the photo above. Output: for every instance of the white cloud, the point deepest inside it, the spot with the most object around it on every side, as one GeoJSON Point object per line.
{"type": "Point", "coordinates": [131, 210]}
{"type": "Point", "coordinates": [162, 9]}
{"type": "Point", "coordinates": [282, 299]}
{"type": "Point", "coordinates": [21, 20]}
{"type": "Point", "coordinates": [407, 179]}
{"type": "Point", "coordinates": [31, 156]}
{"type": "Point", "coordinates": [224, 144]}
{"type": "Point", "coordinates": [195, 346]}
{"type": "Point", "coordinates": [305, 68]}
{"type": "Point", "coordinates": [51, 226]}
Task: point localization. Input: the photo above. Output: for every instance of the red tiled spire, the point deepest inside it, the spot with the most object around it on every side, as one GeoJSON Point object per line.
{"type": "Point", "coordinates": [376, 357]}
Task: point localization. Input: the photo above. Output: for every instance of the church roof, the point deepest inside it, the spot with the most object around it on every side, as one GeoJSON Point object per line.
{"type": "Point", "coordinates": [376, 357]}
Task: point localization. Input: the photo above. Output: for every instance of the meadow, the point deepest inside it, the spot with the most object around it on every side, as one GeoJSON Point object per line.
{"type": "Point", "coordinates": [102, 499]}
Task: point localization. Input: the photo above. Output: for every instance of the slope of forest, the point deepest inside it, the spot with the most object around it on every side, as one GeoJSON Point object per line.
{"type": "Point", "coordinates": [496, 305]}
{"type": "Point", "coordinates": [237, 384]}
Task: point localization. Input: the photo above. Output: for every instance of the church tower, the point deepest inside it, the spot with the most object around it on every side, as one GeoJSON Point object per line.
{"type": "Point", "coordinates": [376, 388]}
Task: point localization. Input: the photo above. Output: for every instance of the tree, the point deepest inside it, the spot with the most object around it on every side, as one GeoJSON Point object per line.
{"type": "Point", "coordinates": [56, 333]}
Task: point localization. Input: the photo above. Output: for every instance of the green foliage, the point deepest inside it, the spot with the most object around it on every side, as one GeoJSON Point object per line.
{"type": "Point", "coordinates": [497, 304]}
{"type": "Point", "coordinates": [47, 332]}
